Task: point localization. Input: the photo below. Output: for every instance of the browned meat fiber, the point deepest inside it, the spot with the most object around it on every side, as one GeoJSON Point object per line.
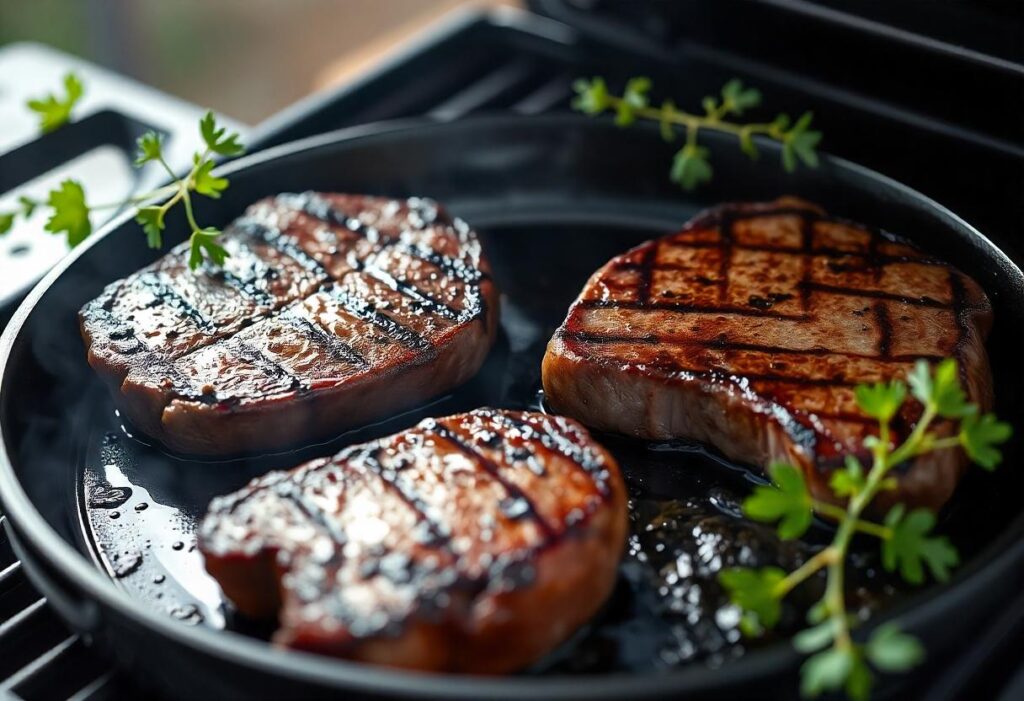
{"type": "Point", "coordinates": [474, 543]}
{"type": "Point", "coordinates": [750, 328]}
{"type": "Point", "coordinates": [331, 311]}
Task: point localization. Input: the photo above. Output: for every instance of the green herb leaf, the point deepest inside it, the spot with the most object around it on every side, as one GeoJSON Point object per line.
{"type": "Point", "coordinates": [152, 221]}
{"type": "Point", "coordinates": [799, 144]}
{"type": "Point", "coordinates": [204, 244]}
{"type": "Point", "coordinates": [815, 638]}
{"type": "Point", "coordinates": [149, 148]}
{"type": "Point", "coordinates": [891, 650]}
{"type": "Point", "coordinates": [218, 139]}
{"type": "Point", "coordinates": [747, 145]}
{"type": "Point", "coordinates": [690, 167]}
{"type": "Point", "coordinates": [787, 501]}
{"type": "Point", "coordinates": [6, 222]}
{"type": "Point", "coordinates": [911, 545]}
{"type": "Point", "coordinates": [980, 435]}
{"type": "Point", "coordinates": [859, 681]}
{"type": "Point", "coordinates": [668, 111]}
{"type": "Point", "coordinates": [591, 96]}
{"type": "Point", "coordinates": [881, 400]}
{"type": "Point", "coordinates": [940, 389]}
{"type": "Point", "coordinates": [70, 212]}
{"type": "Point", "coordinates": [826, 671]}
{"type": "Point", "coordinates": [55, 111]}
{"type": "Point", "coordinates": [737, 98]}
{"type": "Point", "coordinates": [754, 592]}
{"type": "Point", "coordinates": [847, 481]}
{"type": "Point", "coordinates": [205, 183]}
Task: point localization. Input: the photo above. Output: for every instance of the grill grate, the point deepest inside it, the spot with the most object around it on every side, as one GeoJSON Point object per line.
{"type": "Point", "coordinates": [525, 63]}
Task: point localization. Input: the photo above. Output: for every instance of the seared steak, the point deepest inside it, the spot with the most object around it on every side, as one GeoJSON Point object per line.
{"type": "Point", "coordinates": [331, 311]}
{"type": "Point", "coordinates": [750, 328]}
{"type": "Point", "coordinates": [473, 543]}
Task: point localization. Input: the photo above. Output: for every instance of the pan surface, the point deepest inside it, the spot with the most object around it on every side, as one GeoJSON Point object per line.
{"type": "Point", "coordinates": [105, 522]}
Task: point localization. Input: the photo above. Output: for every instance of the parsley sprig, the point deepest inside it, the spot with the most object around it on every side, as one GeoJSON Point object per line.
{"type": "Point", "coordinates": [70, 212]}
{"type": "Point", "coordinates": [55, 111]}
{"type": "Point", "coordinates": [691, 165]}
{"type": "Point", "coordinates": [908, 542]}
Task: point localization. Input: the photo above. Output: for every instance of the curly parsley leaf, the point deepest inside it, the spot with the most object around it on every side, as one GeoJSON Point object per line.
{"type": "Point", "coordinates": [754, 592]}
{"type": "Point", "coordinates": [55, 111]}
{"type": "Point", "coordinates": [799, 144]}
{"type": "Point", "coordinates": [980, 435]}
{"type": "Point", "coordinates": [206, 183]}
{"type": "Point", "coordinates": [591, 96]}
{"type": "Point", "coordinates": [218, 139]}
{"type": "Point", "coordinates": [881, 400]}
{"type": "Point", "coordinates": [911, 547]}
{"type": "Point", "coordinates": [152, 221]}
{"type": "Point", "coordinates": [848, 480]}
{"type": "Point", "coordinates": [826, 671]}
{"type": "Point", "coordinates": [203, 244]}
{"type": "Point", "coordinates": [691, 167]}
{"type": "Point", "coordinates": [736, 98]}
{"type": "Point", "coordinates": [70, 212]}
{"type": "Point", "coordinates": [786, 501]}
{"type": "Point", "coordinates": [6, 222]}
{"type": "Point", "coordinates": [891, 650]}
{"type": "Point", "coordinates": [149, 147]}
{"type": "Point", "coordinates": [941, 389]}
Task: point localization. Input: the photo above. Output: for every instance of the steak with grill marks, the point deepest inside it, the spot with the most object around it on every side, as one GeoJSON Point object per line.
{"type": "Point", "coordinates": [331, 311]}
{"type": "Point", "coordinates": [474, 543]}
{"type": "Point", "coordinates": [750, 328]}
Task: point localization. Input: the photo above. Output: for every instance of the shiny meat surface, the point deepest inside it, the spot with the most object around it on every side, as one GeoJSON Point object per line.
{"type": "Point", "coordinates": [331, 311]}
{"type": "Point", "coordinates": [750, 328]}
{"type": "Point", "coordinates": [472, 543]}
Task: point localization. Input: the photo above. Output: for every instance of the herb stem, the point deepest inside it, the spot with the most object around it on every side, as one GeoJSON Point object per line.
{"type": "Point", "coordinates": [821, 559]}
{"type": "Point", "coordinates": [839, 514]}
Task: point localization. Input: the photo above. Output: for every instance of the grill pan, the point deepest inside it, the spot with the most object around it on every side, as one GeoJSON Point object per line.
{"type": "Point", "coordinates": [553, 198]}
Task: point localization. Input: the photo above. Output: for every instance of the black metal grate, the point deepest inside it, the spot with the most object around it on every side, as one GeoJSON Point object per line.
{"type": "Point", "coordinates": [526, 63]}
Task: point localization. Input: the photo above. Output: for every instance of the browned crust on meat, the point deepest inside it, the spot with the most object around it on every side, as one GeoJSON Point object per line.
{"type": "Point", "coordinates": [173, 365]}
{"type": "Point", "coordinates": [569, 545]}
{"type": "Point", "coordinates": [753, 341]}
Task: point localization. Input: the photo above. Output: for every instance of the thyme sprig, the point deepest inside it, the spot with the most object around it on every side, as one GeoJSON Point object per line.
{"type": "Point", "coordinates": [908, 543]}
{"type": "Point", "coordinates": [70, 212]}
{"type": "Point", "coordinates": [691, 165]}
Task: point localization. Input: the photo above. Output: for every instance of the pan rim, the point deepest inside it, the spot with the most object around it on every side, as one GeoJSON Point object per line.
{"type": "Point", "coordinates": [29, 525]}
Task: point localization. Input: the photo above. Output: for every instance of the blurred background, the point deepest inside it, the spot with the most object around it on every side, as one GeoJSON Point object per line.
{"type": "Point", "coordinates": [244, 58]}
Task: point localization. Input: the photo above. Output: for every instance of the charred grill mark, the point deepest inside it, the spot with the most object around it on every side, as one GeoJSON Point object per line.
{"type": "Point", "coordinates": [727, 345]}
{"type": "Point", "coordinates": [276, 239]}
{"type": "Point", "coordinates": [581, 458]}
{"type": "Point", "coordinates": [272, 369]}
{"type": "Point", "coordinates": [963, 324]}
{"type": "Point", "coordinates": [807, 244]}
{"type": "Point", "coordinates": [725, 250]}
{"type": "Point", "coordinates": [246, 287]}
{"type": "Point", "coordinates": [452, 267]}
{"type": "Point", "coordinates": [367, 458]}
{"type": "Point", "coordinates": [684, 308]}
{"type": "Point", "coordinates": [418, 296]}
{"type": "Point", "coordinates": [293, 492]}
{"type": "Point", "coordinates": [335, 347]}
{"type": "Point", "coordinates": [363, 309]}
{"type": "Point", "coordinates": [884, 325]}
{"type": "Point", "coordinates": [646, 268]}
{"type": "Point", "coordinates": [166, 294]}
{"type": "Point", "coordinates": [519, 497]}
{"type": "Point", "coordinates": [874, 294]}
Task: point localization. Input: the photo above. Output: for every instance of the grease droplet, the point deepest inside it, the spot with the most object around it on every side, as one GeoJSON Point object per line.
{"type": "Point", "coordinates": [177, 545]}
{"type": "Point", "coordinates": [141, 506]}
{"type": "Point", "coordinates": [106, 497]}
{"type": "Point", "coordinates": [126, 563]}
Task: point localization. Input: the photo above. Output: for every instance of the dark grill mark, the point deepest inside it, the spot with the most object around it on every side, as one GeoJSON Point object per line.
{"type": "Point", "coordinates": [725, 255]}
{"type": "Point", "coordinates": [875, 294]}
{"type": "Point", "coordinates": [293, 492]}
{"type": "Point", "coordinates": [248, 287]}
{"type": "Point", "coordinates": [517, 495]}
{"type": "Point", "coordinates": [270, 368]}
{"type": "Point", "coordinates": [451, 267]}
{"type": "Point", "coordinates": [363, 309]}
{"type": "Point", "coordinates": [166, 294]}
{"type": "Point", "coordinates": [276, 239]}
{"type": "Point", "coordinates": [884, 325]}
{"type": "Point", "coordinates": [335, 347]}
{"type": "Point", "coordinates": [685, 308]}
{"type": "Point", "coordinates": [414, 293]}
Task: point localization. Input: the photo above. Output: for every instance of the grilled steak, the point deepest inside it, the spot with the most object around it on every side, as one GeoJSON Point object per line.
{"type": "Point", "coordinates": [750, 328]}
{"type": "Point", "coordinates": [331, 311]}
{"type": "Point", "coordinates": [473, 543]}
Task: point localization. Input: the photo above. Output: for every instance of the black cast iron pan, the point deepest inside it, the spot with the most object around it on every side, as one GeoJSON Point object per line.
{"type": "Point", "coordinates": [553, 198]}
